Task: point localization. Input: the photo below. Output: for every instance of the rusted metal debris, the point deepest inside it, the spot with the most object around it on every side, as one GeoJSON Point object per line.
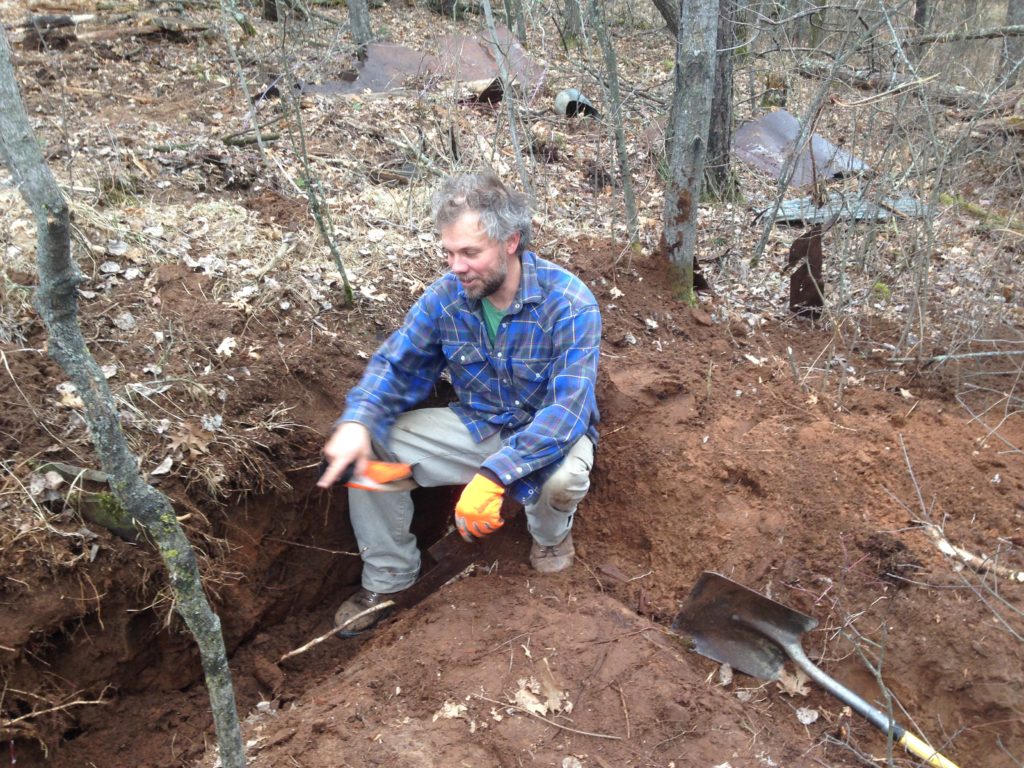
{"type": "Point", "coordinates": [767, 142]}
{"type": "Point", "coordinates": [468, 57]}
{"type": "Point", "coordinates": [386, 66]}
{"type": "Point", "coordinates": [846, 207]}
{"type": "Point", "coordinates": [806, 288]}
{"type": "Point", "coordinates": [461, 58]}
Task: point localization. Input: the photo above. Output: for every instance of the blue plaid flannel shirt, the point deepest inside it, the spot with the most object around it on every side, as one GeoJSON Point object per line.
{"type": "Point", "coordinates": [535, 385]}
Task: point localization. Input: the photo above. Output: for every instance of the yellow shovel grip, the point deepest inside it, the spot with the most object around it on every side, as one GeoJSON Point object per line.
{"type": "Point", "coordinates": [922, 749]}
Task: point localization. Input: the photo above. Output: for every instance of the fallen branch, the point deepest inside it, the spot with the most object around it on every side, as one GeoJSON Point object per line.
{"type": "Point", "coordinates": [979, 564]}
{"type": "Point", "coordinates": [990, 33]}
{"type": "Point", "coordinates": [984, 216]}
{"type": "Point", "coordinates": [333, 630]}
{"type": "Point", "coordinates": [47, 21]}
{"type": "Point", "coordinates": [252, 131]}
{"type": "Point", "coordinates": [1008, 124]}
{"type": "Point", "coordinates": [898, 88]}
{"type": "Point", "coordinates": [949, 95]}
{"type": "Point", "coordinates": [938, 359]}
{"type": "Point", "coordinates": [72, 473]}
{"type": "Point", "coordinates": [67, 29]}
{"type": "Point", "coordinates": [250, 138]}
{"type": "Point", "coordinates": [40, 712]}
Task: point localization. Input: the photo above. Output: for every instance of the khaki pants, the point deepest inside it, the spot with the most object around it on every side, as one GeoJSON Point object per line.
{"type": "Point", "coordinates": [442, 452]}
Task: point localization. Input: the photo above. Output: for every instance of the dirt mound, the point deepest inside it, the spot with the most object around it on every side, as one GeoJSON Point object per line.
{"type": "Point", "coordinates": [713, 456]}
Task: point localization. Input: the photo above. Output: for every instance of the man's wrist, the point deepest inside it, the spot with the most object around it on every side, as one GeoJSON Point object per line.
{"type": "Point", "coordinates": [485, 472]}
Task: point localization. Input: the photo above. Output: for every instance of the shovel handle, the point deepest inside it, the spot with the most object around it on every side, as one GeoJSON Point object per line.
{"type": "Point", "coordinates": [904, 738]}
{"type": "Point", "coordinates": [921, 748]}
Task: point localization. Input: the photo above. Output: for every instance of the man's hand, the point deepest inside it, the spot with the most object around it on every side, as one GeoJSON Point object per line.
{"type": "Point", "coordinates": [479, 509]}
{"type": "Point", "coordinates": [350, 444]}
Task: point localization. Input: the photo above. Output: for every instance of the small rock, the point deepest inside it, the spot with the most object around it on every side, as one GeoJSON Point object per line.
{"type": "Point", "coordinates": [125, 322]}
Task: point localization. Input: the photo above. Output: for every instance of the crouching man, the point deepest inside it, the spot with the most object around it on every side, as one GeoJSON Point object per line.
{"type": "Point", "coordinates": [520, 339]}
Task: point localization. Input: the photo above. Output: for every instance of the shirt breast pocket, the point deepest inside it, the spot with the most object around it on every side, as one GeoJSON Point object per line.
{"type": "Point", "coordinates": [468, 367]}
{"type": "Point", "coordinates": [530, 377]}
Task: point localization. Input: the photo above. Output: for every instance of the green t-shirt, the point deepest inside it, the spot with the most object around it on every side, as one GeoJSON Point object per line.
{"type": "Point", "coordinates": [492, 316]}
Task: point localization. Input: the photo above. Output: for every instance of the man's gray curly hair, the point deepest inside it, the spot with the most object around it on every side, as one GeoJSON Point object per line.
{"type": "Point", "coordinates": [503, 211]}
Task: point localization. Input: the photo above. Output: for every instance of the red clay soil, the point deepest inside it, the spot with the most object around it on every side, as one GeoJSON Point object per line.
{"type": "Point", "coordinates": [712, 457]}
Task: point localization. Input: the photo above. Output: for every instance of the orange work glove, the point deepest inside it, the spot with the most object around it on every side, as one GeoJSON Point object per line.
{"type": "Point", "coordinates": [479, 509]}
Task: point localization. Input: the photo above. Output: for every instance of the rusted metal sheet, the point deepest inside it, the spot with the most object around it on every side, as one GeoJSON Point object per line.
{"type": "Point", "coordinates": [767, 142]}
{"type": "Point", "coordinates": [387, 66]}
{"type": "Point", "coordinates": [462, 58]}
{"type": "Point", "coordinates": [465, 57]}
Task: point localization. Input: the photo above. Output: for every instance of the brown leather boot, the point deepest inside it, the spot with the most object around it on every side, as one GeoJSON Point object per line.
{"type": "Point", "coordinates": [552, 559]}
{"type": "Point", "coordinates": [359, 601]}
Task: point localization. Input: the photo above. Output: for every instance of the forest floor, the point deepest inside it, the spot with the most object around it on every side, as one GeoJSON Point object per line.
{"type": "Point", "coordinates": [816, 463]}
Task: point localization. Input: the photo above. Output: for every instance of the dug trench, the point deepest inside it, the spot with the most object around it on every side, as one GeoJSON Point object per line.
{"type": "Point", "coordinates": [713, 456]}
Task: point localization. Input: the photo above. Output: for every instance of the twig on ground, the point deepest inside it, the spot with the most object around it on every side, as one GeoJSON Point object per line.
{"type": "Point", "coordinates": [331, 633]}
{"type": "Point", "coordinates": [625, 709]}
{"type": "Point", "coordinates": [546, 720]}
{"type": "Point", "coordinates": [37, 713]}
{"type": "Point", "coordinates": [623, 636]}
{"type": "Point", "coordinates": [965, 356]}
{"type": "Point", "coordinates": [310, 546]}
{"type": "Point", "coordinates": [252, 138]}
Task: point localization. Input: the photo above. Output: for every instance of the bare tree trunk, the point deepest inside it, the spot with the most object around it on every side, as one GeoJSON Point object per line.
{"type": "Point", "coordinates": [515, 18]}
{"type": "Point", "coordinates": [501, 56]}
{"type": "Point", "coordinates": [56, 302]}
{"type": "Point", "coordinates": [614, 101]}
{"type": "Point", "coordinates": [573, 19]}
{"type": "Point", "coordinates": [1012, 59]}
{"type": "Point", "coordinates": [670, 13]}
{"type": "Point", "coordinates": [359, 20]}
{"type": "Point", "coordinates": [949, 95]}
{"type": "Point", "coordinates": [688, 133]}
{"type": "Point", "coordinates": [798, 26]}
{"type": "Point", "coordinates": [922, 14]}
{"type": "Point", "coordinates": [718, 173]}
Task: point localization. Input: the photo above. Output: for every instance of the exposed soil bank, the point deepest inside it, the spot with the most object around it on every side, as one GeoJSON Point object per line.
{"type": "Point", "coordinates": [712, 457]}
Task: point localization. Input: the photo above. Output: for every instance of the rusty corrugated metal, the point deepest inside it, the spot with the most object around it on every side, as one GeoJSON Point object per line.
{"type": "Point", "coordinates": [767, 142]}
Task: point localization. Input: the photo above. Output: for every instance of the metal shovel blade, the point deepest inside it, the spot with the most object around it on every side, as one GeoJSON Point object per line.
{"type": "Point", "coordinates": [754, 634]}
{"type": "Point", "coordinates": [720, 616]}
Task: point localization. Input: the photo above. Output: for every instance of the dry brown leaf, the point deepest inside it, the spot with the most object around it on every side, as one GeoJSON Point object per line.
{"type": "Point", "coordinates": [793, 684]}
{"type": "Point", "coordinates": [192, 438]}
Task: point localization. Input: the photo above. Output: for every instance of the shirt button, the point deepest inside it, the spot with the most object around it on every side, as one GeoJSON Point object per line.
{"type": "Point", "coordinates": [519, 470]}
{"type": "Point", "coordinates": [517, 402]}
{"type": "Point", "coordinates": [499, 354]}
{"type": "Point", "coordinates": [508, 477]}
{"type": "Point", "coordinates": [463, 358]}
